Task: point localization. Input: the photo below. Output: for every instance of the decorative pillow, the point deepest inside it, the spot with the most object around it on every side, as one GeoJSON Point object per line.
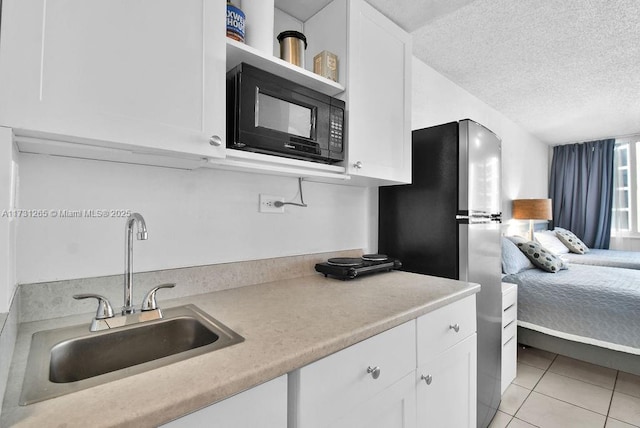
{"type": "Point", "coordinates": [550, 241]}
{"type": "Point", "coordinates": [571, 241]}
{"type": "Point", "coordinates": [513, 261]}
{"type": "Point", "coordinates": [541, 257]}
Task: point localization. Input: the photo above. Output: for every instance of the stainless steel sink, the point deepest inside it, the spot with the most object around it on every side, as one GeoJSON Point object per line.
{"type": "Point", "coordinates": [69, 359]}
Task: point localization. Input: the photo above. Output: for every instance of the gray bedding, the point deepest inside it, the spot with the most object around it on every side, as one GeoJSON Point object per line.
{"type": "Point", "coordinates": [612, 258]}
{"type": "Point", "coordinates": [591, 304]}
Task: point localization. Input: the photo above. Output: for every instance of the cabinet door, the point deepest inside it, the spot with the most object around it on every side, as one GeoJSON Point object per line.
{"type": "Point", "coordinates": [326, 390]}
{"type": "Point", "coordinates": [395, 407]}
{"type": "Point", "coordinates": [148, 74]}
{"type": "Point", "coordinates": [379, 82]}
{"type": "Point", "coordinates": [263, 406]}
{"type": "Point", "coordinates": [447, 398]}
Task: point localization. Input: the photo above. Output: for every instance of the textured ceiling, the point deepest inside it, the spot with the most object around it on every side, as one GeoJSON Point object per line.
{"type": "Point", "coordinates": [565, 70]}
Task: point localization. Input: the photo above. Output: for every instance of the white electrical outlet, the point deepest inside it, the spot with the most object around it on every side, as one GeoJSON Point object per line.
{"type": "Point", "coordinates": [267, 204]}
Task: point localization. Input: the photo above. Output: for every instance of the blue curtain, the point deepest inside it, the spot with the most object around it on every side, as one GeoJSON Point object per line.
{"type": "Point", "coordinates": [581, 188]}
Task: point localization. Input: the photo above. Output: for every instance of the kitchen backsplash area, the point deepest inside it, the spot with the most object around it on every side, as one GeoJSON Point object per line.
{"type": "Point", "coordinates": [41, 301]}
{"type": "Point", "coordinates": [193, 218]}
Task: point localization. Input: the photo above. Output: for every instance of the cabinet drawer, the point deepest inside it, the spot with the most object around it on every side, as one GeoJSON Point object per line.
{"type": "Point", "coordinates": [341, 381]}
{"type": "Point", "coordinates": [509, 315]}
{"type": "Point", "coordinates": [509, 331]}
{"type": "Point", "coordinates": [437, 330]}
{"type": "Point", "coordinates": [509, 298]}
{"type": "Point", "coordinates": [268, 404]}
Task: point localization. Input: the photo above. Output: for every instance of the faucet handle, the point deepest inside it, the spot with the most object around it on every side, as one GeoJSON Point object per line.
{"type": "Point", "coordinates": [149, 303]}
{"type": "Point", "coordinates": [104, 307]}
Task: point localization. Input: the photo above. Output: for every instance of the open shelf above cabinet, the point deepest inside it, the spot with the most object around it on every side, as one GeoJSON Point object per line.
{"type": "Point", "coordinates": [239, 52]}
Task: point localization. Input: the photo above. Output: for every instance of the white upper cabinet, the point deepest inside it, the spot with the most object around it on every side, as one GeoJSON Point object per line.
{"type": "Point", "coordinates": [375, 67]}
{"type": "Point", "coordinates": [379, 91]}
{"type": "Point", "coordinates": [144, 82]}
{"type": "Point", "coordinates": [147, 74]}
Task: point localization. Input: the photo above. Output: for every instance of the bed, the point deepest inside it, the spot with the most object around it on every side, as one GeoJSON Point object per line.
{"type": "Point", "coordinates": [592, 256]}
{"type": "Point", "coordinates": [587, 312]}
{"type": "Point", "coordinates": [611, 258]}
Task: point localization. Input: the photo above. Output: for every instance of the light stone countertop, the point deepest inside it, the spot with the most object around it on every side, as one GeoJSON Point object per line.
{"type": "Point", "coordinates": [286, 325]}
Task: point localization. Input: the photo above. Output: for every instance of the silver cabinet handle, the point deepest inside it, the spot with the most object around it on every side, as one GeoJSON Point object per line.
{"type": "Point", "coordinates": [215, 141]}
{"type": "Point", "coordinates": [374, 371]}
{"type": "Point", "coordinates": [455, 327]}
{"type": "Point", "coordinates": [427, 379]}
{"type": "Point", "coordinates": [357, 165]}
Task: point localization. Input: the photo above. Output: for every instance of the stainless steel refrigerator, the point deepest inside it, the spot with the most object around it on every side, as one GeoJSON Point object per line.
{"type": "Point", "coordinates": [447, 223]}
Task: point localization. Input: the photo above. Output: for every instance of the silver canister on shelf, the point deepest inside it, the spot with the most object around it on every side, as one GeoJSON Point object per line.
{"type": "Point", "coordinates": [292, 47]}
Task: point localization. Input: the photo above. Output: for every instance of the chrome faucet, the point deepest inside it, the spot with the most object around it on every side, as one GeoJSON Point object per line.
{"type": "Point", "coordinates": [105, 318]}
{"type": "Point", "coordinates": [134, 218]}
{"type": "Point", "coordinates": [149, 310]}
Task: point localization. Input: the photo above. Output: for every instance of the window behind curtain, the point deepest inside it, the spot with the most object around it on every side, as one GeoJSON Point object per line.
{"type": "Point", "coordinates": [625, 219]}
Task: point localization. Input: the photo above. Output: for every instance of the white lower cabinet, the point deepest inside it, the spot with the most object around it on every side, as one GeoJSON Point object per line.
{"type": "Point", "coordinates": [264, 406]}
{"type": "Point", "coordinates": [447, 366]}
{"type": "Point", "coordinates": [420, 374]}
{"type": "Point", "coordinates": [446, 394]}
{"type": "Point", "coordinates": [394, 407]}
{"type": "Point", "coordinates": [426, 377]}
{"type": "Point", "coordinates": [353, 387]}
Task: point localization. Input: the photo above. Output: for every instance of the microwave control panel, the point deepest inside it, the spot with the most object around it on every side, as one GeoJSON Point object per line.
{"type": "Point", "coordinates": [336, 130]}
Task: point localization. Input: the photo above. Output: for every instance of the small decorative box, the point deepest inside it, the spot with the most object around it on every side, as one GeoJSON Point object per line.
{"type": "Point", "coordinates": [326, 65]}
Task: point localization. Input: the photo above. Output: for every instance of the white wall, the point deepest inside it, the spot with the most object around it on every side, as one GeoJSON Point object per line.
{"type": "Point", "coordinates": [193, 218]}
{"type": "Point", "coordinates": [8, 185]}
{"type": "Point", "coordinates": [525, 160]}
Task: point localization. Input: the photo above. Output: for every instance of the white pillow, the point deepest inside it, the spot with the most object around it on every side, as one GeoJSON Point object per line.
{"type": "Point", "coordinates": [550, 242]}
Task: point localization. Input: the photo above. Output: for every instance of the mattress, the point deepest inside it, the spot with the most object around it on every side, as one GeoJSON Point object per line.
{"type": "Point", "coordinates": [597, 305]}
{"type": "Point", "coordinates": [612, 258]}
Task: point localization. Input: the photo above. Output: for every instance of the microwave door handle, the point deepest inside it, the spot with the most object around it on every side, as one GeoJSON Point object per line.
{"type": "Point", "coordinates": [256, 116]}
{"type": "Point", "coordinates": [313, 120]}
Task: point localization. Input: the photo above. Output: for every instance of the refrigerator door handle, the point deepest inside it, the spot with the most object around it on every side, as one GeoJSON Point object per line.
{"type": "Point", "coordinates": [481, 214]}
{"type": "Point", "coordinates": [475, 219]}
{"type": "Point", "coordinates": [462, 219]}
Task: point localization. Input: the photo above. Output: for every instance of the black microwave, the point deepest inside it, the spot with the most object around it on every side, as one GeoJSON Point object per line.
{"type": "Point", "coordinates": [271, 115]}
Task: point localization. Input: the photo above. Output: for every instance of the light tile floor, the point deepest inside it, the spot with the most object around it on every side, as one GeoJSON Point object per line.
{"type": "Point", "coordinates": [556, 391]}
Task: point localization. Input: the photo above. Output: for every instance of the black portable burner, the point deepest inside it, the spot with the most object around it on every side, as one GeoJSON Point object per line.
{"type": "Point", "coordinates": [352, 267]}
